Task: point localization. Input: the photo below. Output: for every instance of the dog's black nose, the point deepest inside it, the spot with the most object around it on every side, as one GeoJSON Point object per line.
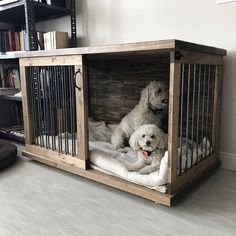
{"type": "Point", "coordinates": [148, 143]}
{"type": "Point", "coordinates": [165, 101]}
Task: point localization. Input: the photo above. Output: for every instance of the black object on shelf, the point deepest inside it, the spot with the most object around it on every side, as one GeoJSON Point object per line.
{"type": "Point", "coordinates": [28, 12]}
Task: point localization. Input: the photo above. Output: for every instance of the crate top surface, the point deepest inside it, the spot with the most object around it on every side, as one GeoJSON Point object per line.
{"type": "Point", "coordinates": [129, 48]}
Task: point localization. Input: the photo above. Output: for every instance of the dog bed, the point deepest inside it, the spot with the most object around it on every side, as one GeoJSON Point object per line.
{"type": "Point", "coordinates": [8, 154]}
{"type": "Point", "coordinates": [104, 158]}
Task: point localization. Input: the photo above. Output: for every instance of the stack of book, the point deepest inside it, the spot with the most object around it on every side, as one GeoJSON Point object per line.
{"type": "Point", "coordinates": [11, 40]}
{"type": "Point", "coordinates": [55, 40]}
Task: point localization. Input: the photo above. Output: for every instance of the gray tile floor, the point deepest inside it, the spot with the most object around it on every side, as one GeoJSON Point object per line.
{"type": "Point", "coordinates": [36, 199]}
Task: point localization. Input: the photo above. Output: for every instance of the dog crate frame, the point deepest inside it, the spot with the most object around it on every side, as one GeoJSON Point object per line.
{"type": "Point", "coordinates": [179, 52]}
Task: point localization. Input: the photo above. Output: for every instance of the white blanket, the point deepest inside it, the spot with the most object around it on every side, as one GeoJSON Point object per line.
{"type": "Point", "coordinates": [104, 158]}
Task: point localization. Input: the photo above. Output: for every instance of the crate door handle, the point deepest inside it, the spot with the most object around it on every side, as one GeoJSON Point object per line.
{"type": "Point", "coordinates": [78, 71]}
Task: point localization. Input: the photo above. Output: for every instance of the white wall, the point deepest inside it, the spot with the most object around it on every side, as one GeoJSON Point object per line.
{"type": "Point", "coordinates": [201, 21]}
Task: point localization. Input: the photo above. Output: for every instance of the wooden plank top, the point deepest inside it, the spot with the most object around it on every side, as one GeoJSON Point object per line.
{"type": "Point", "coordinates": [140, 47]}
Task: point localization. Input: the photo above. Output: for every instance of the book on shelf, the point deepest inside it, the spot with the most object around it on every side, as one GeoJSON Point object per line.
{"type": "Point", "coordinates": [55, 40]}
{"type": "Point", "coordinates": [11, 40]}
{"type": "Point", "coordinates": [9, 79]}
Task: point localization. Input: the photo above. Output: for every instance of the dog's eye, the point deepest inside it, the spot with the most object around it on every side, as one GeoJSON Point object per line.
{"type": "Point", "coordinates": [143, 136]}
{"type": "Point", "coordinates": [153, 136]}
{"type": "Point", "coordinates": [159, 90]}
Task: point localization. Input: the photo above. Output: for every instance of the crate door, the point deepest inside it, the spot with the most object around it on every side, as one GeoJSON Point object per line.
{"type": "Point", "coordinates": [54, 106]}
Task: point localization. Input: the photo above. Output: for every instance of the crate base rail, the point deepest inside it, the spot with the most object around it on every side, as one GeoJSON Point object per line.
{"type": "Point", "coordinates": [116, 182]}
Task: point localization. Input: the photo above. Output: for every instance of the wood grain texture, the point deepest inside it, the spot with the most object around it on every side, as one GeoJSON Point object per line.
{"type": "Point", "coordinates": [103, 178]}
{"type": "Point", "coordinates": [115, 85]}
{"type": "Point", "coordinates": [192, 57]}
{"type": "Point", "coordinates": [55, 157]}
{"type": "Point", "coordinates": [52, 60]}
{"type": "Point", "coordinates": [26, 105]}
{"type": "Point", "coordinates": [82, 113]}
{"type": "Point", "coordinates": [173, 129]}
{"type": "Point", "coordinates": [153, 46]}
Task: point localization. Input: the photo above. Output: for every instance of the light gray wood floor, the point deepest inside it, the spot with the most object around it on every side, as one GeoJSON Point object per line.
{"type": "Point", "coordinates": [36, 199]}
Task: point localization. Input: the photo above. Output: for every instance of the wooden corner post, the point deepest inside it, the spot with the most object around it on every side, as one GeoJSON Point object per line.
{"type": "Point", "coordinates": [24, 75]}
{"type": "Point", "coordinates": [82, 113]}
{"type": "Point", "coordinates": [173, 124]}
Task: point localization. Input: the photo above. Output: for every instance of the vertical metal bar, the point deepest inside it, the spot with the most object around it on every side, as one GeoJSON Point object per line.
{"type": "Point", "coordinates": [193, 113]}
{"type": "Point", "coordinates": [52, 98]}
{"type": "Point", "coordinates": [50, 101]}
{"type": "Point", "coordinates": [73, 126]}
{"type": "Point", "coordinates": [39, 90]}
{"type": "Point", "coordinates": [212, 106]}
{"type": "Point", "coordinates": [33, 110]}
{"type": "Point", "coordinates": [36, 116]}
{"type": "Point", "coordinates": [203, 110]}
{"type": "Point", "coordinates": [63, 106]}
{"type": "Point", "coordinates": [70, 108]}
{"type": "Point", "coordinates": [60, 108]}
{"type": "Point", "coordinates": [181, 119]}
{"type": "Point", "coordinates": [66, 108]}
{"type": "Point", "coordinates": [187, 116]}
{"type": "Point", "coordinates": [207, 108]}
{"type": "Point", "coordinates": [57, 105]}
{"type": "Point", "coordinates": [45, 106]}
{"type": "Point", "coordinates": [198, 108]}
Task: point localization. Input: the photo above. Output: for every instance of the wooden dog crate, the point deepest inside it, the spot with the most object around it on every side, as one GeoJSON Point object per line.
{"type": "Point", "coordinates": [62, 88]}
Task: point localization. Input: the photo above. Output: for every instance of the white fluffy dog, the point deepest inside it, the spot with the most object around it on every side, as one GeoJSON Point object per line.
{"type": "Point", "coordinates": [154, 99]}
{"type": "Point", "coordinates": [151, 144]}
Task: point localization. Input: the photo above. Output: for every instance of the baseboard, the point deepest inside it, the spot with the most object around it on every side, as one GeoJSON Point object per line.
{"type": "Point", "coordinates": [228, 160]}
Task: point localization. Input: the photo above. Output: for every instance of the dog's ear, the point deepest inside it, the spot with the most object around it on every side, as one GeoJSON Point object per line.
{"type": "Point", "coordinates": [163, 143]}
{"type": "Point", "coordinates": [133, 141]}
{"type": "Point", "coordinates": [144, 96]}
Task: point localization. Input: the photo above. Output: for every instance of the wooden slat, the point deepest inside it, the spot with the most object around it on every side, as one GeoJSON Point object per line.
{"type": "Point", "coordinates": [183, 45]}
{"type": "Point", "coordinates": [156, 46]}
{"type": "Point", "coordinates": [52, 61]}
{"type": "Point", "coordinates": [191, 57]}
{"type": "Point", "coordinates": [173, 124]}
{"type": "Point", "coordinates": [55, 158]}
{"type": "Point", "coordinates": [106, 179]}
{"type": "Point", "coordinates": [25, 105]}
{"type": "Point", "coordinates": [82, 113]}
{"type": "Point", "coordinates": [195, 172]}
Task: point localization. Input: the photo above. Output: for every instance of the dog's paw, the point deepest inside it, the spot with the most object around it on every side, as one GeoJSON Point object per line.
{"type": "Point", "coordinates": [130, 168]}
{"type": "Point", "coordinates": [143, 172]}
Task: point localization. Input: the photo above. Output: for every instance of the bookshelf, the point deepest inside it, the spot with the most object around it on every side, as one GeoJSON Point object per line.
{"type": "Point", "coordinates": [27, 13]}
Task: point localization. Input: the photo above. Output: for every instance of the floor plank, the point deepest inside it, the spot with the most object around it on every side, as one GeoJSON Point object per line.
{"type": "Point", "coordinates": [36, 199]}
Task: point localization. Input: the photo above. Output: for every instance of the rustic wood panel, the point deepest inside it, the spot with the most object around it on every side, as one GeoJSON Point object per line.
{"type": "Point", "coordinates": [52, 61]}
{"type": "Point", "coordinates": [56, 157]}
{"type": "Point", "coordinates": [128, 48]}
{"type": "Point", "coordinates": [26, 106]}
{"type": "Point", "coordinates": [199, 58]}
{"type": "Point", "coordinates": [82, 113]}
{"type": "Point", "coordinates": [192, 174]}
{"type": "Point", "coordinates": [173, 136]}
{"type": "Point", "coordinates": [115, 86]}
{"type": "Point", "coordinates": [216, 107]}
